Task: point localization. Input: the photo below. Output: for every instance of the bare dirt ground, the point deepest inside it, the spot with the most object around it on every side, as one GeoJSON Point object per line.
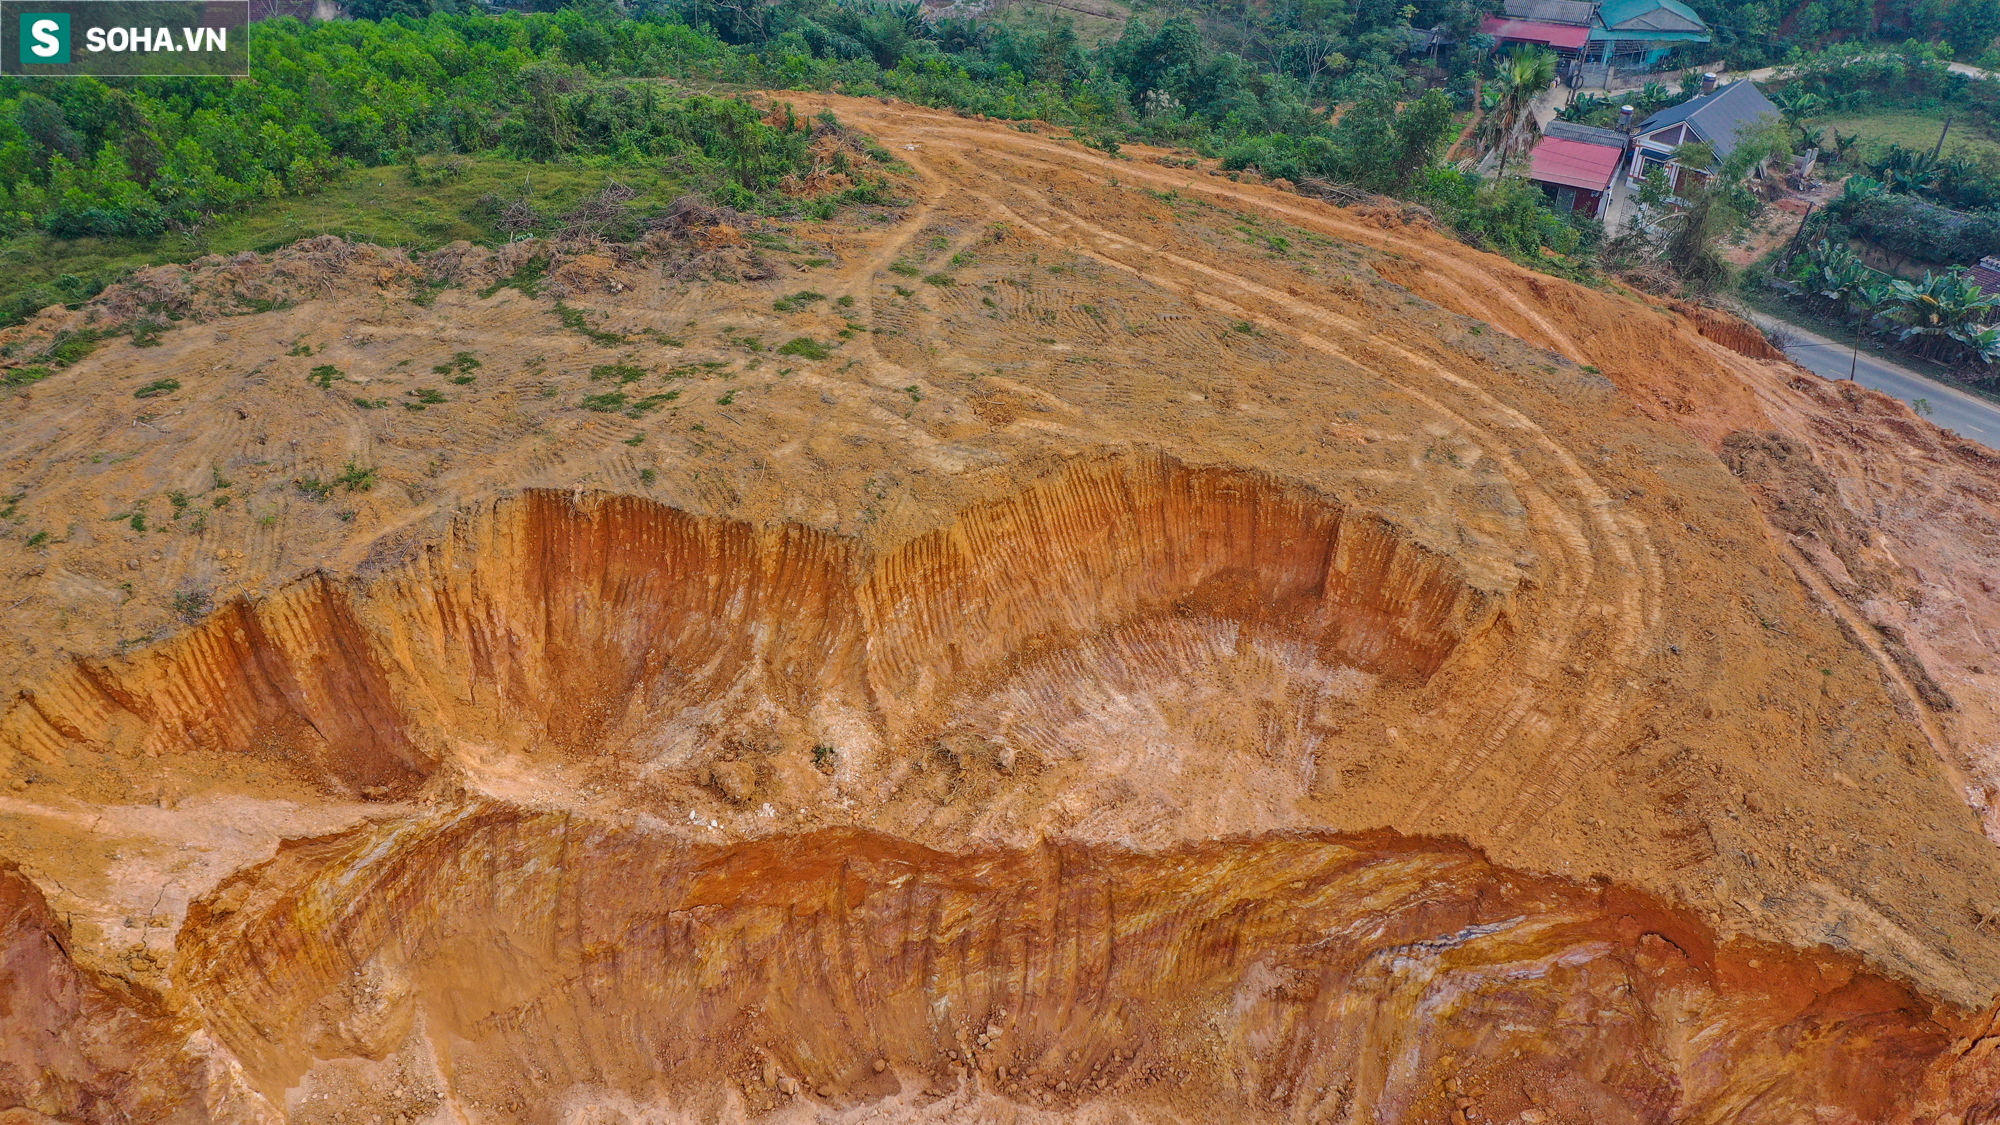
{"type": "Point", "coordinates": [1638, 688]}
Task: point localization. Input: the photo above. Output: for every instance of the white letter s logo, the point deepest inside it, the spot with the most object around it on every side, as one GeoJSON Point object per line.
{"type": "Point", "coordinates": [46, 43]}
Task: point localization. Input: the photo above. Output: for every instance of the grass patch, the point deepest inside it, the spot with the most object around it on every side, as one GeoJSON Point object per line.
{"type": "Point", "coordinates": [623, 372]}
{"type": "Point", "coordinates": [806, 348]}
{"type": "Point", "coordinates": [797, 301]}
{"type": "Point", "coordinates": [427, 293]}
{"type": "Point", "coordinates": [1911, 128]}
{"type": "Point", "coordinates": [526, 278]}
{"type": "Point", "coordinates": [649, 404]}
{"type": "Point", "coordinates": [68, 347]}
{"type": "Point", "coordinates": [325, 376]}
{"type": "Point", "coordinates": [355, 478]}
{"type": "Point", "coordinates": [576, 321]}
{"type": "Point", "coordinates": [352, 477]}
{"type": "Point", "coordinates": [610, 402]}
{"type": "Point", "coordinates": [191, 605]}
{"type": "Point", "coordinates": [157, 388]}
{"type": "Point", "coordinates": [460, 362]}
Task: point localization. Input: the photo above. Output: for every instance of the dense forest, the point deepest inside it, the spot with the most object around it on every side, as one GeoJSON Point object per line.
{"type": "Point", "coordinates": [141, 158]}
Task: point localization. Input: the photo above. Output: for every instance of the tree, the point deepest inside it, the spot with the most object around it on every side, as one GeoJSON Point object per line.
{"type": "Point", "coordinates": [1421, 130]}
{"type": "Point", "coordinates": [1510, 123]}
{"type": "Point", "coordinates": [1800, 108]}
{"type": "Point", "coordinates": [1708, 208]}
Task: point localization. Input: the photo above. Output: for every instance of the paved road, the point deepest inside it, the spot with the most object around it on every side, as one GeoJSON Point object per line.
{"type": "Point", "coordinates": [1954, 409]}
{"type": "Point", "coordinates": [1764, 74]}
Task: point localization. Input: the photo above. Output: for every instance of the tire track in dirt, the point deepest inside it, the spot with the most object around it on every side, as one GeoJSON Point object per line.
{"type": "Point", "coordinates": [1519, 318]}
{"type": "Point", "coordinates": [1555, 750]}
{"type": "Point", "coordinates": [1463, 278]}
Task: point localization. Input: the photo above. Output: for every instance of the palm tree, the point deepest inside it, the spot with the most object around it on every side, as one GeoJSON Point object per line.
{"type": "Point", "coordinates": [1510, 120]}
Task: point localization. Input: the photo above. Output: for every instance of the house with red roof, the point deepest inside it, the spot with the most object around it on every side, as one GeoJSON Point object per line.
{"type": "Point", "coordinates": [1575, 166]}
{"type": "Point", "coordinates": [1628, 34]}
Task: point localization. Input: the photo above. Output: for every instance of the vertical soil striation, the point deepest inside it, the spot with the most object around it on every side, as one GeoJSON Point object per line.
{"type": "Point", "coordinates": [558, 623]}
{"type": "Point", "coordinates": [1300, 978]}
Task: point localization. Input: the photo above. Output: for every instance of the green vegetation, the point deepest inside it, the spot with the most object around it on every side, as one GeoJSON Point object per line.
{"type": "Point", "coordinates": [157, 387]}
{"type": "Point", "coordinates": [353, 477]}
{"type": "Point", "coordinates": [441, 123]}
{"type": "Point", "coordinates": [575, 320]}
{"type": "Point", "coordinates": [22, 376]}
{"type": "Point", "coordinates": [414, 132]}
{"type": "Point", "coordinates": [623, 372]}
{"type": "Point", "coordinates": [1753, 33]}
{"type": "Point", "coordinates": [192, 604]}
{"type": "Point", "coordinates": [1941, 317]}
{"type": "Point", "coordinates": [805, 347]}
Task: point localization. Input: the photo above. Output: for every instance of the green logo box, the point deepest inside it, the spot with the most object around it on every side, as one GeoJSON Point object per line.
{"type": "Point", "coordinates": [45, 38]}
{"type": "Point", "coordinates": [128, 38]}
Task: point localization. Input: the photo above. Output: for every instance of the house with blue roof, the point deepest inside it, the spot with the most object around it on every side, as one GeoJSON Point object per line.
{"type": "Point", "coordinates": [1636, 35]}
{"type": "Point", "coordinates": [1718, 119]}
{"type": "Point", "coordinates": [1630, 35]}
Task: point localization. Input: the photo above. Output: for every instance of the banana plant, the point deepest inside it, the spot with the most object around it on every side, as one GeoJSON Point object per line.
{"type": "Point", "coordinates": [1982, 340]}
{"type": "Point", "coordinates": [1831, 272]}
{"type": "Point", "coordinates": [1933, 309]}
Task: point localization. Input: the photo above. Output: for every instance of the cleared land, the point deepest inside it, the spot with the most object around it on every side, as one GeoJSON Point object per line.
{"type": "Point", "coordinates": [1090, 637]}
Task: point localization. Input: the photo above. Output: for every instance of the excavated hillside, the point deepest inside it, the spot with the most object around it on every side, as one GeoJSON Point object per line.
{"type": "Point", "coordinates": [1096, 641]}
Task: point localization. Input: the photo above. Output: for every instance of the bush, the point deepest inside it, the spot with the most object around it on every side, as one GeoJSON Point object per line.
{"type": "Point", "coordinates": [1912, 226]}
{"type": "Point", "coordinates": [805, 348]}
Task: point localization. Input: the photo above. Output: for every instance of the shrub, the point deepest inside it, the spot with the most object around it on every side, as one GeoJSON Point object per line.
{"type": "Point", "coordinates": [806, 348]}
